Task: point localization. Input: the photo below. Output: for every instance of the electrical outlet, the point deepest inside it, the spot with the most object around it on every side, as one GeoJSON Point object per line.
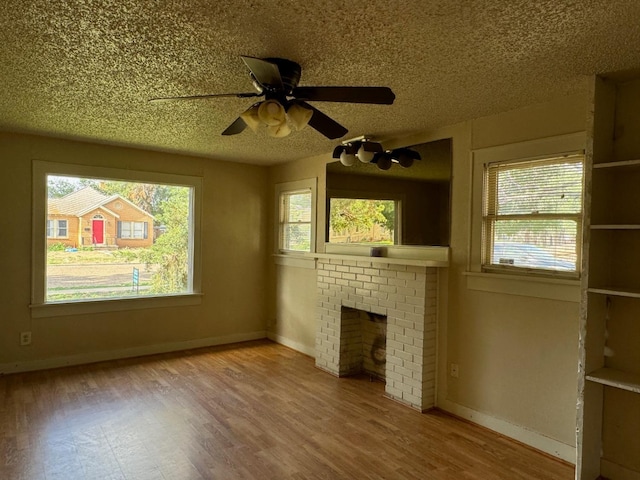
{"type": "Point", "coordinates": [25, 338]}
{"type": "Point", "coordinates": [453, 370]}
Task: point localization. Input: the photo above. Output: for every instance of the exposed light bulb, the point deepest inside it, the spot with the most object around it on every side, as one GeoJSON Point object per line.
{"type": "Point", "coordinates": [384, 161]}
{"type": "Point", "coordinates": [347, 159]}
{"type": "Point", "coordinates": [364, 156]}
{"type": "Point", "coordinates": [405, 160]}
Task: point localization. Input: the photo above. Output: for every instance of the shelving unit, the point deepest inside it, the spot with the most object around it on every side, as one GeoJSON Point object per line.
{"type": "Point", "coordinates": [616, 292]}
{"type": "Point", "coordinates": [615, 227]}
{"type": "Point", "coordinates": [616, 378]}
{"type": "Point", "coordinates": [608, 433]}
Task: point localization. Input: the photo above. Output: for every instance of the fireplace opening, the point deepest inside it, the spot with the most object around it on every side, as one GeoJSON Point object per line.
{"type": "Point", "coordinates": [363, 343]}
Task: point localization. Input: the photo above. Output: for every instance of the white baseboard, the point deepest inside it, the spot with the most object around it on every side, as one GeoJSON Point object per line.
{"type": "Point", "coordinates": [297, 346]}
{"type": "Point", "coordinates": [517, 432]}
{"type": "Point", "coordinates": [92, 357]}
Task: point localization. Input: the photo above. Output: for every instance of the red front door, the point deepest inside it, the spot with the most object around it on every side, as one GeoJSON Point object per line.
{"type": "Point", "coordinates": [98, 231]}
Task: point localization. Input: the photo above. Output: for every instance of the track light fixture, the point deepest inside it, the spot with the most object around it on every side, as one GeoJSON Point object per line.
{"type": "Point", "coordinates": [368, 151]}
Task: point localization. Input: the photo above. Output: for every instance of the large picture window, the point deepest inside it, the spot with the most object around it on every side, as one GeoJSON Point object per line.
{"type": "Point", "coordinates": [532, 215]}
{"type": "Point", "coordinates": [105, 234]}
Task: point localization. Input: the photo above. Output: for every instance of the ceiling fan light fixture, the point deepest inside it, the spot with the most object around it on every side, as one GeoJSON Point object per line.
{"type": "Point", "coordinates": [251, 118]}
{"type": "Point", "coordinates": [299, 116]}
{"type": "Point", "coordinates": [271, 113]}
{"type": "Point", "coordinates": [276, 79]}
{"type": "Point", "coordinates": [279, 131]}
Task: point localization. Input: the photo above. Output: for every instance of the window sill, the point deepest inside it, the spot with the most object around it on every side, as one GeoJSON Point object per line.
{"type": "Point", "coordinates": [45, 310]}
{"type": "Point", "coordinates": [300, 260]}
{"type": "Point", "coordinates": [549, 288]}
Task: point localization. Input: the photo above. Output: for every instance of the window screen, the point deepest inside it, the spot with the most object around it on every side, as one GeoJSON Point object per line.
{"type": "Point", "coordinates": [532, 215]}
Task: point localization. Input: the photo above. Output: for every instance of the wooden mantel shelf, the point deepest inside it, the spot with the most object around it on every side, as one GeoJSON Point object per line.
{"type": "Point", "coordinates": [388, 260]}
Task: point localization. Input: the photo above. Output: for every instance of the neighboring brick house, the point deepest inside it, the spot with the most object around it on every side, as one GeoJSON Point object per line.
{"type": "Point", "coordinates": [90, 218]}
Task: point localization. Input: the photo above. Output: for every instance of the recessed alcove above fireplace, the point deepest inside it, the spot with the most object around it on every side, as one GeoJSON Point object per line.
{"type": "Point", "coordinates": [405, 292]}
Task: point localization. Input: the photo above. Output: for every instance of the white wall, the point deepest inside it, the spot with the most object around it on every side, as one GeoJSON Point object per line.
{"type": "Point", "coordinates": [517, 355]}
{"type": "Point", "coordinates": [234, 303]}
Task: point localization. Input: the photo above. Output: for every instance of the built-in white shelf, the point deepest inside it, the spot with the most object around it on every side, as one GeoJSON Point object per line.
{"type": "Point", "coordinates": [616, 378]}
{"type": "Point", "coordinates": [629, 226]}
{"type": "Point", "coordinates": [623, 164]}
{"type": "Point", "coordinates": [616, 291]}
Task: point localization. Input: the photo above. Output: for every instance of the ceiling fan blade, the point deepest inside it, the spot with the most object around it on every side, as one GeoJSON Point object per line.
{"type": "Point", "coordinates": [236, 127]}
{"type": "Point", "coordinates": [324, 124]}
{"type": "Point", "coordinates": [266, 73]}
{"type": "Point", "coordinates": [377, 95]}
{"type": "Point", "coordinates": [201, 97]}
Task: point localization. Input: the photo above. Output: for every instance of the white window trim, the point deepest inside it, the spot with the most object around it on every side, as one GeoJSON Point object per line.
{"type": "Point", "coordinates": [289, 187]}
{"type": "Point", "coordinates": [39, 308]}
{"type": "Point", "coordinates": [132, 225]}
{"type": "Point", "coordinates": [56, 228]}
{"type": "Point", "coordinates": [535, 149]}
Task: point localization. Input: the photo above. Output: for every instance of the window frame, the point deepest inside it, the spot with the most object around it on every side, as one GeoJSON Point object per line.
{"type": "Point", "coordinates": [40, 307]}
{"type": "Point", "coordinates": [549, 147]}
{"type": "Point", "coordinates": [290, 188]}
{"type": "Point", "coordinates": [66, 228]}
{"type": "Point", "coordinates": [55, 228]}
{"type": "Point", "coordinates": [489, 220]}
{"type": "Point", "coordinates": [132, 230]}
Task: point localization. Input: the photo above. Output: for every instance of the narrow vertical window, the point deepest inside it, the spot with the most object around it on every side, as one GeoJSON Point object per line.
{"type": "Point", "coordinates": [295, 212]}
{"type": "Point", "coordinates": [295, 221]}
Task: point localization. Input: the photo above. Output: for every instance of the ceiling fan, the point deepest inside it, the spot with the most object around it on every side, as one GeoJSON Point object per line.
{"type": "Point", "coordinates": [276, 79]}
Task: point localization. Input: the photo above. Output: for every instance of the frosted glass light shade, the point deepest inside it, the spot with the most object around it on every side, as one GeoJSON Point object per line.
{"type": "Point", "coordinates": [250, 117]}
{"type": "Point", "coordinates": [299, 116]}
{"type": "Point", "coordinates": [271, 113]}
{"type": "Point", "coordinates": [347, 159]}
{"type": "Point", "coordinates": [279, 131]}
{"type": "Point", "coordinates": [364, 156]}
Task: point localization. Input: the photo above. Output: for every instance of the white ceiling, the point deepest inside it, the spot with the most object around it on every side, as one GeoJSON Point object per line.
{"type": "Point", "coordinates": [85, 68]}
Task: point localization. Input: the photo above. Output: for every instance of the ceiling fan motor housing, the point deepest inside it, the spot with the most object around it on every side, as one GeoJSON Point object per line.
{"type": "Point", "coordinates": [289, 71]}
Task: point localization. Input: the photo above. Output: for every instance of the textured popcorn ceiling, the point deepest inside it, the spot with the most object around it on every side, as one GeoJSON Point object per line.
{"type": "Point", "coordinates": [85, 68]}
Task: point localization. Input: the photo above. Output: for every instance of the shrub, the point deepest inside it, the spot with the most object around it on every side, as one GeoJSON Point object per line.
{"type": "Point", "coordinates": [126, 254]}
{"type": "Point", "coordinates": [56, 247]}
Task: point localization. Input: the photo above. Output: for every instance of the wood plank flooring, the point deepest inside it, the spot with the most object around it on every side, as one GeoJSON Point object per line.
{"type": "Point", "coordinates": [255, 410]}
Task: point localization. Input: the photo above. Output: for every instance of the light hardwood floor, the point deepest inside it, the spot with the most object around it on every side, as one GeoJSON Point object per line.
{"type": "Point", "coordinates": [255, 410]}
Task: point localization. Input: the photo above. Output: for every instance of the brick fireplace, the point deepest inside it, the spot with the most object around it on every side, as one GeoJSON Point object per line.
{"type": "Point", "coordinates": [405, 293]}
